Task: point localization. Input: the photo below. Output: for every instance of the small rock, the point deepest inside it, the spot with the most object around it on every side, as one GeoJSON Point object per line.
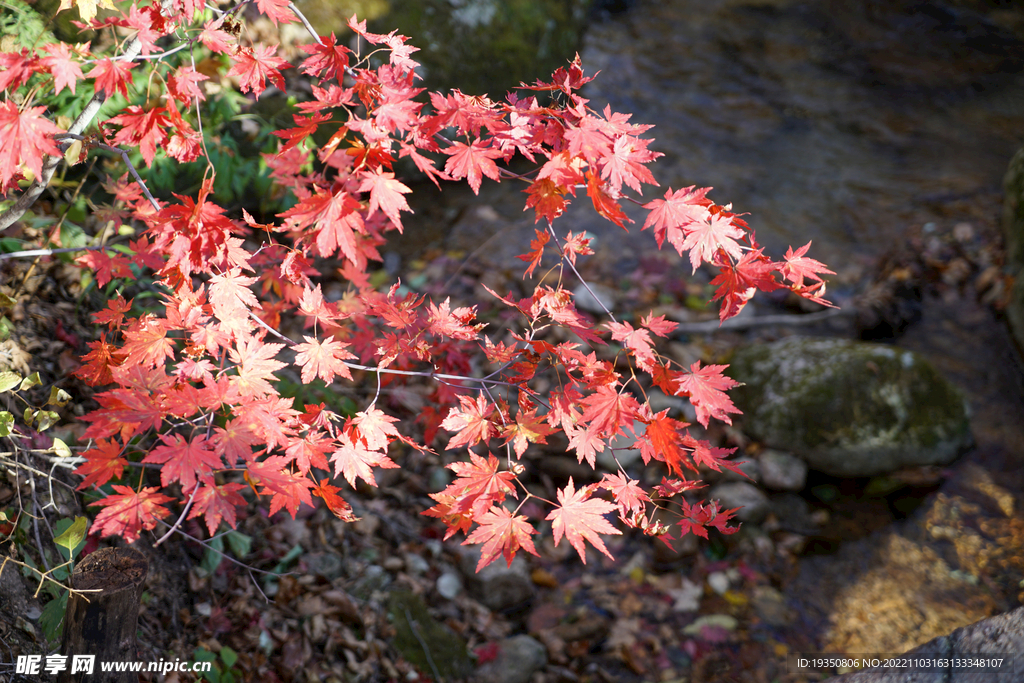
{"type": "Point", "coordinates": [719, 582]}
{"type": "Point", "coordinates": [414, 564]}
{"type": "Point", "coordinates": [375, 578]}
{"type": "Point", "coordinates": [794, 514]}
{"type": "Point", "coordinates": [782, 471]}
{"type": "Point", "coordinates": [519, 657]}
{"type": "Point", "coordinates": [770, 606]}
{"type": "Point", "coordinates": [501, 587]}
{"type": "Point", "coordinates": [327, 565]}
{"type": "Point", "coordinates": [752, 503]}
{"type": "Point", "coordinates": [599, 303]}
{"type": "Point", "coordinates": [449, 585]}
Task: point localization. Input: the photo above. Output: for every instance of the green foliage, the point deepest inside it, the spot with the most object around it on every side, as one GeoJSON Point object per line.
{"type": "Point", "coordinates": [223, 670]}
{"type": "Point", "coordinates": [21, 27]}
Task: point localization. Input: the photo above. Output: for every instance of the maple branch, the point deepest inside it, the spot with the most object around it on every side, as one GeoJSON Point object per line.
{"type": "Point", "coordinates": [712, 326]}
{"type": "Point", "coordinates": [305, 22]}
{"type": "Point", "coordinates": [124, 157]}
{"type": "Point", "coordinates": [51, 252]}
{"type": "Point", "coordinates": [181, 517]}
{"type": "Point", "coordinates": [50, 163]}
{"type": "Point", "coordinates": [572, 266]}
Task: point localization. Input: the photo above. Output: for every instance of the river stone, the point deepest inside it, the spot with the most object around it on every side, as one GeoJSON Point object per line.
{"type": "Point", "coordinates": [519, 657]}
{"type": "Point", "coordinates": [500, 586]}
{"type": "Point", "coordinates": [782, 471]}
{"type": "Point", "coordinates": [1013, 229]}
{"type": "Point", "coordinates": [752, 503]}
{"type": "Point", "coordinates": [850, 408]}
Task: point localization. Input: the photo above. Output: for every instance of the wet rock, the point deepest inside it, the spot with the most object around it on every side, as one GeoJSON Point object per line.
{"type": "Point", "coordinates": [793, 514]}
{"type": "Point", "coordinates": [850, 408]}
{"type": "Point", "coordinates": [449, 585]}
{"type": "Point", "coordinates": [782, 471]}
{"type": "Point", "coordinates": [518, 659]}
{"type": "Point", "coordinates": [752, 503]}
{"type": "Point", "coordinates": [1013, 229]}
{"type": "Point", "coordinates": [423, 641]}
{"type": "Point", "coordinates": [1000, 637]}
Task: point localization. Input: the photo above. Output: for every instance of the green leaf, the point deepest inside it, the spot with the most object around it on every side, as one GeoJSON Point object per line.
{"type": "Point", "coordinates": [239, 543]}
{"type": "Point", "coordinates": [52, 617]}
{"type": "Point", "coordinates": [228, 656]}
{"type": "Point", "coordinates": [60, 449]}
{"type": "Point", "coordinates": [8, 380]}
{"type": "Point", "coordinates": [6, 422]}
{"type": "Point", "coordinates": [214, 555]}
{"type": "Point", "coordinates": [46, 419]}
{"type": "Point", "coordinates": [30, 381]}
{"type": "Point", "coordinates": [58, 397]}
{"type": "Point", "coordinates": [28, 416]}
{"type": "Point", "coordinates": [72, 537]}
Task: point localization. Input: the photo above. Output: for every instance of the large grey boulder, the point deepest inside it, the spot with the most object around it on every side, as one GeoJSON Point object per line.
{"type": "Point", "coordinates": [996, 639]}
{"type": "Point", "coordinates": [849, 408]}
{"type": "Point", "coordinates": [1013, 229]}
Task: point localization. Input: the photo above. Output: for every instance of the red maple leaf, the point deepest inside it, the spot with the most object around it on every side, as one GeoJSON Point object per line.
{"type": "Point", "coordinates": [103, 462]}
{"type": "Point", "coordinates": [276, 10]}
{"type": "Point", "coordinates": [798, 266]}
{"type": "Point", "coordinates": [26, 139]}
{"type": "Point", "coordinates": [502, 534]}
{"type": "Point", "coordinates": [218, 502]}
{"type": "Point", "coordinates": [255, 65]}
{"type": "Point", "coordinates": [638, 341]}
{"type": "Point", "coordinates": [355, 461]}
{"type": "Point", "coordinates": [528, 428]}
{"type": "Point", "coordinates": [537, 245]}
{"type": "Point", "coordinates": [608, 411]}
{"type": "Point", "coordinates": [457, 324]}
{"type": "Point", "coordinates": [112, 76]}
{"type": "Point", "coordinates": [547, 199]}
{"type": "Point", "coordinates": [478, 485]}
{"type": "Point", "coordinates": [587, 443]}
{"type": "Point", "coordinates": [376, 427]}
{"type": "Point", "coordinates": [146, 342]}
{"type": "Point", "coordinates": [386, 195]}
{"type": "Point", "coordinates": [256, 365]}
{"type": "Point", "coordinates": [335, 503]}
{"type": "Point", "coordinates": [470, 422]}
{"type": "Point", "coordinates": [183, 460]}
{"type": "Point", "coordinates": [326, 61]}
{"type": "Point", "coordinates": [706, 388]}
{"type": "Point", "coordinates": [472, 162]}
{"type": "Point", "coordinates": [106, 266]}
{"type": "Point", "coordinates": [630, 498]}
{"type": "Point", "coordinates": [322, 359]}
{"type": "Point", "coordinates": [579, 518]}
{"type": "Point", "coordinates": [704, 239]}
{"type": "Point", "coordinates": [66, 71]}
{"type": "Point", "coordinates": [624, 164]}
{"type": "Point", "coordinates": [305, 126]}
{"type": "Point", "coordinates": [604, 203]}
{"type": "Point", "coordinates": [127, 512]}
{"type": "Point", "coordinates": [337, 220]}
{"type": "Point", "coordinates": [288, 490]}
{"type": "Point", "coordinates": [738, 282]}
{"type": "Point", "coordinates": [659, 325]}
{"type": "Point", "coordinates": [145, 128]}
{"type": "Point", "coordinates": [676, 212]}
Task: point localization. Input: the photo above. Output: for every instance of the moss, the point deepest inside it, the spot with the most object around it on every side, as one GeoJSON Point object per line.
{"type": "Point", "coordinates": [830, 399]}
{"type": "Point", "coordinates": [424, 642]}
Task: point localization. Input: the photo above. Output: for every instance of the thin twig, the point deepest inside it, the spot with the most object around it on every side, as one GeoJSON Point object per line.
{"type": "Point", "coordinates": [415, 628]}
{"type": "Point", "coordinates": [788, 319]}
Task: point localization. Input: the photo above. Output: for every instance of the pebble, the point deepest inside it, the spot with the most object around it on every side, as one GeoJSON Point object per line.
{"type": "Point", "coordinates": [782, 471]}
{"type": "Point", "coordinates": [719, 582]}
{"type": "Point", "coordinates": [449, 585]}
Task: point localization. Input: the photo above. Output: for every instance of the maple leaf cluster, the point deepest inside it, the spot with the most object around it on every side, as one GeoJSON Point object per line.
{"type": "Point", "coordinates": [193, 390]}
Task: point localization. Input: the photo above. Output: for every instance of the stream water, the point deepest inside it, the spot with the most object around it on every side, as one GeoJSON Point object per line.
{"type": "Point", "coordinates": [841, 121]}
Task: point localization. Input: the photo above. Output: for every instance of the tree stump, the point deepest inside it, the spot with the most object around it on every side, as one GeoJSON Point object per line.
{"type": "Point", "coordinates": [103, 623]}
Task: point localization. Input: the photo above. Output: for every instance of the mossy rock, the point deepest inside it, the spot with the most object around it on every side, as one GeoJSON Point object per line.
{"type": "Point", "coordinates": [424, 642]}
{"type": "Point", "coordinates": [1013, 229]}
{"type": "Point", "coordinates": [850, 408]}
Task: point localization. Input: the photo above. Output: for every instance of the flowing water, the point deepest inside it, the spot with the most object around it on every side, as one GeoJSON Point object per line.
{"type": "Point", "coordinates": [841, 121]}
